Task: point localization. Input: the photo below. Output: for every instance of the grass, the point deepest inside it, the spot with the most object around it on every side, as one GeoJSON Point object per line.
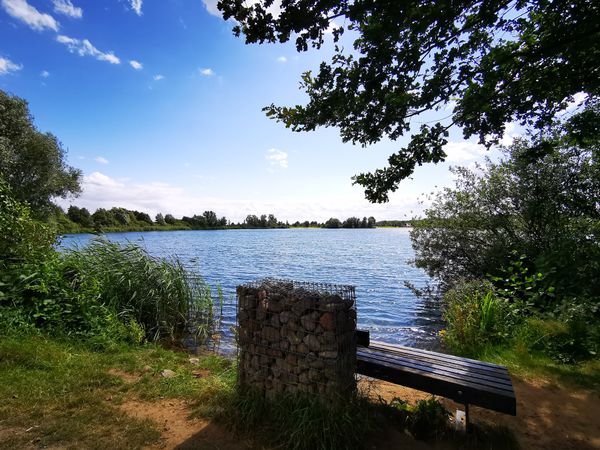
{"type": "Point", "coordinates": [58, 393]}
{"type": "Point", "coordinates": [528, 364]}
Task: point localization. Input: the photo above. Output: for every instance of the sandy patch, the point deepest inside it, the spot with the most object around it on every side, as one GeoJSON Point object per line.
{"type": "Point", "coordinates": [178, 430]}
{"type": "Point", "coordinates": [548, 417]}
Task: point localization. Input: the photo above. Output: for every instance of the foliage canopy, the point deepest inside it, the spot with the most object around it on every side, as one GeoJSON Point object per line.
{"type": "Point", "coordinates": [541, 202]}
{"type": "Point", "coordinates": [490, 62]}
{"type": "Point", "coordinates": [31, 162]}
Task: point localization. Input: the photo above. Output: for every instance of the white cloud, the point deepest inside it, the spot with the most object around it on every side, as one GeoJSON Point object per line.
{"type": "Point", "coordinates": [103, 191]}
{"type": "Point", "coordinates": [23, 11]}
{"type": "Point", "coordinates": [509, 134]}
{"type": "Point", "coordinates": [136, 64]}
{"type": "Point", "coordinates": [101, 160]}
{"type": "Point", "coordinates": [277, 158]}
{"type": "Point", "coordinates": [44, 74]}
{"type": "Point", "coordinates": [158, 77]}
{"type": "Point", "coordinates": [7, 66]}
{"type": "Point", "coordinates": [85, 48]}
{"type": "Point", "coordinates": [208, 72]}
{"type": "Point", "coordinates": [332, 26]}
{"type": "Point", "coordinates": [136, 5]}
{"type": "Point", "coordinates": [459, 152]}
{"type": "Point", "coordinates": [577, 101]}
{"type": "Point", "coordinates": [211, 7]}
{"type": "Point", "coordinates": [282, 59]}
{"type": "Point", "coordinates": [67, 8]}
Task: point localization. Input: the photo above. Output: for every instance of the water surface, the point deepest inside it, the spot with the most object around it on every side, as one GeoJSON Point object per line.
{"type": "Point", "coordinates": [376, 261]}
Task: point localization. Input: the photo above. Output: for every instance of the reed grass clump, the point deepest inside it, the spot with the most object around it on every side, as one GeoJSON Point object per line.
{"type": "Point", "coordinates": [158, 294]}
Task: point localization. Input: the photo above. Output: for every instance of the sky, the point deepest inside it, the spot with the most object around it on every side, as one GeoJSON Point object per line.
{"type": "Point", "coordinates": [159, 105]}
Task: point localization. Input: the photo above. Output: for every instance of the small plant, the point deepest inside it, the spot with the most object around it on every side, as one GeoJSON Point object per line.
{"type": "Point", "coordinates": [428, 419]}
{"type": "Point", "coordinates": [474, 317]}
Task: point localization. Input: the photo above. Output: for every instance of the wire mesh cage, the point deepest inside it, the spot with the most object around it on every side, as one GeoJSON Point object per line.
{"type": "Point", "coordinates": [297, 336]}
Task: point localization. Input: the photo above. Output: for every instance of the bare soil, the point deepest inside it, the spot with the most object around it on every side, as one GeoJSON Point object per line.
{"type": "Point", "coordinates": [549, 417]}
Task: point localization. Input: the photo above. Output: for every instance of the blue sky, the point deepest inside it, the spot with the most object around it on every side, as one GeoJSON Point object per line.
{"type": "Point", "coordinates": [160, 106]}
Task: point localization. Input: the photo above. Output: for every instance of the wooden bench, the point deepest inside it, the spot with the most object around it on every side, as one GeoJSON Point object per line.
{"type": "Point", "coordinates": [466, 381]}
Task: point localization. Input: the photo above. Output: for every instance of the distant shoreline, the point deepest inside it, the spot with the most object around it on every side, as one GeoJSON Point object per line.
{"type": "Point", "coordinates": [159, 228]}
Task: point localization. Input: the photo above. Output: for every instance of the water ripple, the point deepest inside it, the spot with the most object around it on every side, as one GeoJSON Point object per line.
{"type": "Point", "coordinates": [375, 261]}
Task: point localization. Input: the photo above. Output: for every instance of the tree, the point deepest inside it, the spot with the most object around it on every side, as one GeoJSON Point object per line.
{"type": "Point", "coordinates": [170, 219]}
{"type": "Point", "coordinates": [539, 206]}
{"type": "Point", "coordinates": [160, 220]}
{"type": "Point", "coordinates": [102, 218]}
{"type": "Point", "coordinates": [490, 63]}
{"type": "Point", "coordinates": [272, 221]}
{"type": "Point", "coordinates": [80, 216]}
{"type": "Point", "coordinates": [333, 223]}
{"type": "Point", "coordinates": [351, 222]}
{"type": "Point", "coordinates": [31, 162]}
{"type": "Point", "coordinates": [211, 220]}
{"type": "Point", "coordinates": [142, 217]}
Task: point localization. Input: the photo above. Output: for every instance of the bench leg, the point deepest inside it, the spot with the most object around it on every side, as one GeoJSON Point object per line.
{"type": "Point", "coordinates": [461, 419]}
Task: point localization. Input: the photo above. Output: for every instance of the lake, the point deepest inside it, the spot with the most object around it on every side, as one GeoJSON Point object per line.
{"type": "Point", "coordinates": [376, 261]}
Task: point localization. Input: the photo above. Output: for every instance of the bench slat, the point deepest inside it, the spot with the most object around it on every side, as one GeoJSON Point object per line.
{"type": "Point", "coordinates": [500, 373]}
{"type": "Point", "coordinates": [441, 356]}
{"type": "Point", "coordinates": [461, 376]}
{"type": "Point", "coordinates": [459, 390]}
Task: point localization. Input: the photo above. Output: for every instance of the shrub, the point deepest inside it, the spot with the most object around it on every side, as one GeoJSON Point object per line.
{"type": "Point", "coordinates": [21, 237]}
{"type": "Point", "coordinates": [542, 208]}
{"type": "Point", "coordinates": [474, 317]}
{"type": "Point", "coordinates": [569, 336]}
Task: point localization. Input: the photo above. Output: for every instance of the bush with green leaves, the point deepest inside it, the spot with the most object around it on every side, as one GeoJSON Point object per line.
{"type": "Point", "coordinates": [539, 201]}
{"type": "Point", "coordinates": [570, 335]}
{"type": "Point", "coordinates": [21, 237]}
{"type": "Point", "coordinates": [475, 317]}
{"type": "Point", "coordinates": [479, 318]}
{"type": "Point", "coordinates": [105, 292]}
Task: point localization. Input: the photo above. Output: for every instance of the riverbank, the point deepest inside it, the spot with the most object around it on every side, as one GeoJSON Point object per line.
{"type": "Point", "coordinates": [61, 394]}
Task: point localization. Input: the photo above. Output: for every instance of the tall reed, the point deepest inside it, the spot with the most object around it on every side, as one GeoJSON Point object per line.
{"type": "Point", "coordinates": [159, 294]}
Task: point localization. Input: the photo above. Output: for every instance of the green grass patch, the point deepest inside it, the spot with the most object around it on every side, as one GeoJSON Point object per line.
{"type": "Point", "coordinates": [67, 394]}
{"type": "Point", "coordinates": [524, 363]}
{"type": "Point", "coordinates": [61, 393]}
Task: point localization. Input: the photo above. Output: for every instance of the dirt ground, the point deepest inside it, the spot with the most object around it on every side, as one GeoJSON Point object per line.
{"type": "Point", "coordinates": [548, 417]}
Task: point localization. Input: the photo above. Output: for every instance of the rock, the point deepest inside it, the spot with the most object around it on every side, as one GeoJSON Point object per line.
{"type": "Point", "coordinates": [275, 320]}
{"type": "Point", "coordinates": [284, 317]}
{"type": "Point", "coordinates": [326, 321]}
{"type": "Point", "coordinates": [302, 348]}
{"type": "Point", "coordinates": [312, 342]}
{"type": "Point", "coordinates": [248, 302]}
{"type": "Point", "coordinates": [309, 321]}
{"type": "Point", "coordinates": [300, 306]}
{"type": "Point", "coordinates": [328, 354]}
{"type": "Point", "coordinates": [294, 338]}
{"type": "Point", "coordinates": [270, 334]}
{"type": "Point", "coordinates": [194, 361]}
{"type": "Point", "coordinates": [167, 373]}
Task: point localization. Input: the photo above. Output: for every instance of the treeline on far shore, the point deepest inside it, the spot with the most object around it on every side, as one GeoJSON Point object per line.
{"type": "Point", "coordinates": [80, 220]}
